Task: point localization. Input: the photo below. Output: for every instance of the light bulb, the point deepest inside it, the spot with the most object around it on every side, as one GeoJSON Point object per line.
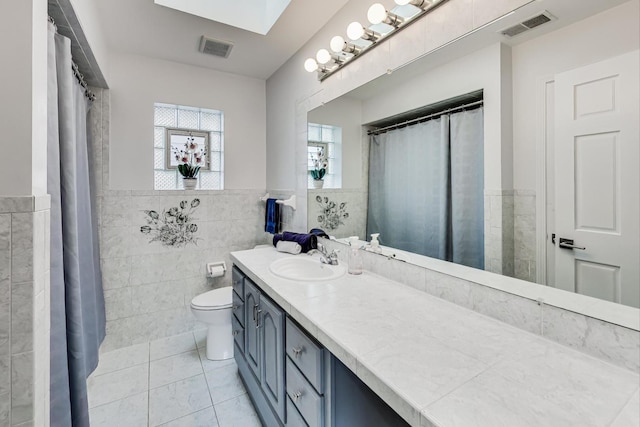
{"type": "Point", "coordinates": [323, 56]}
{"type": "Point", "coordinates": [402, 2]}
{"type": "Point", "coordinates": [310, 65]}
{"type": "Point", "coordinates": [377, 13]}
{"type": "Point", "coordinates": [337, 44]}
{"type": "Point", "coordinates": [355, 30]}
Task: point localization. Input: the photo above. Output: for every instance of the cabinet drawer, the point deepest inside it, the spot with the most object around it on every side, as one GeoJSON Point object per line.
{"type": "Point", "coordinates": [238, 308]}
{"type": "Point", "coordinates": [238, 333]}
{"type": "Point", "coordinates": [306, 354]}
{"type": "Point", "coordinates": [294, 419]}
{"type": "Point", "coordinates": [304, 397]}
{"type": "Point", "coordinates": [237, 281]}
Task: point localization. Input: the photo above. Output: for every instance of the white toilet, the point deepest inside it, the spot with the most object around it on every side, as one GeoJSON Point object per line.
{"type": "Point", "coordinates": [214, 309]}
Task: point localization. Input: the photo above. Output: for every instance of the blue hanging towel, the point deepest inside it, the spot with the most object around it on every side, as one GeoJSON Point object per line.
{"type": "Point", "coordinates": [272, 217]}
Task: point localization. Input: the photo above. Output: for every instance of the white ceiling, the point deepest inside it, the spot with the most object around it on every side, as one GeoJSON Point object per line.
{"type": "Point", "coordinates": [143, 28]}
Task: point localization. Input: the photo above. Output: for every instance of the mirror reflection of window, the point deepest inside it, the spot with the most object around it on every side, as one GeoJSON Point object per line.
{"type": "Point", "coordinates": [328, 139]}
{"type": "Point", "coordinates": [207, 126]}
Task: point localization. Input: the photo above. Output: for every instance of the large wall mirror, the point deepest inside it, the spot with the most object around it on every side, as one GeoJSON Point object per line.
{"type": "Point", "coordinates": [541, 152]}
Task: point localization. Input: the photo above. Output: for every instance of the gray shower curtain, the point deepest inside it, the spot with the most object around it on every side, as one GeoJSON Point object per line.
{"type": "Point", "coordinates": [426, 188]}
{"type": "Point", "coordinates": [77, 299]}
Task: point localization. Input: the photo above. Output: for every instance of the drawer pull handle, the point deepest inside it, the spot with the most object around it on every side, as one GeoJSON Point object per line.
{"type": "Point", "coordinates": [236, 332]}
{"type": "Point", "coordinates": [297, 395]}
{"type": "Point", "coordinates": [258, 316]}
{"type": "Point", "coordinates": [235, 307]}
{"type": "Point", "coordinates": [297, 351]}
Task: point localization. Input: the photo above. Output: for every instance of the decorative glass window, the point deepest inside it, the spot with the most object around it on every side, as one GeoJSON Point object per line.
{"type": "Point", "coordinates": [206, 126]}
{"type": "Point", "coordinates": [329, 139]}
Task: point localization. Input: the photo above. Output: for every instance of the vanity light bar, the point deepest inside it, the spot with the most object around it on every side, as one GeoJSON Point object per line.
{"type": "Point", "coordinates": [326, 63]}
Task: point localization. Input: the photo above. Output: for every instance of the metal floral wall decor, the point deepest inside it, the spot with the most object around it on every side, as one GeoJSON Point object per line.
{"type": "Point", "coordinates": [173, 227]}
{"type": "Point", "coordinates": [331, 214]}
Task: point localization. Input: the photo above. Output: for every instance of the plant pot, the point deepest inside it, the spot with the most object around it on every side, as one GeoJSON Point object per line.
{"type": "Point", "coordinates": [318, 183]}
{"type": "Point", "coordinates": [189, 183]}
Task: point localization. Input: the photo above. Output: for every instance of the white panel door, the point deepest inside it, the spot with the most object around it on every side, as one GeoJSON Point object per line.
{"type": "Point", "coordinates": [597, 180]}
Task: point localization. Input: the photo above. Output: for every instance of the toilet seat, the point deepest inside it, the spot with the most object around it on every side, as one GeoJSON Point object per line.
{"type": "Point", "coordinates": [216, 299]}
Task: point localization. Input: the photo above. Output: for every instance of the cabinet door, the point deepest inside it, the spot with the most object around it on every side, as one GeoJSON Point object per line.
{"type": "Point", "coordinates": [238, 308]}
{"type": "Point", "coordinates": [251, 348]}
{"type": "Point", "coordinates": [271, 327]}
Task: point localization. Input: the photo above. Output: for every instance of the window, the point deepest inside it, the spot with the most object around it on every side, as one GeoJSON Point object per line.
{"type": "Point", "coordinates": [172, 119]}
{"type": "Point", "coordinates": [329, 139]}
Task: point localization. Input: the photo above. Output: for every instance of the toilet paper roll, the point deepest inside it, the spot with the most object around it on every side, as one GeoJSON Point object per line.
{"type": "Point", "coordinates": [216, 271]}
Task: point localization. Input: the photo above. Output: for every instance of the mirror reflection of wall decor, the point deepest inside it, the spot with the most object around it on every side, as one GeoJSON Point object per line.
{"type": "Point", "coordinates": [331, 214]}
{"type": "Point", "coordinates": [182, 143]}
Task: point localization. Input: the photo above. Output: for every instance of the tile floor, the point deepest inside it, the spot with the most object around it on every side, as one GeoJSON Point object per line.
{"type": "Point", "coordinates": [168, 382]}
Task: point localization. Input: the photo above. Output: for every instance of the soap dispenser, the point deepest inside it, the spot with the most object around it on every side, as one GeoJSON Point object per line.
{"type": "Point", "coordinates": [355, 260]}
{"type": "Point", "coordinates": [375, 244]}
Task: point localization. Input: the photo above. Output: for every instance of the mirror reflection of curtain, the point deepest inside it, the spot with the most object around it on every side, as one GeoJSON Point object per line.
{"type": "Point", "coordinates": [426, 188]}
{"type": "Point", "coordinates": [77, 299]}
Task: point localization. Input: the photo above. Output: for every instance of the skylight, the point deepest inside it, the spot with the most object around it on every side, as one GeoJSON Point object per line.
{"type": "Point", "coordinates": [257, 16]}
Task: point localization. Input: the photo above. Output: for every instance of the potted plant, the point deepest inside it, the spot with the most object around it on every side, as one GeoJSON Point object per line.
{"type": "Point", "coordinates": [319, 168]}
{"type": "Point", "coordinates": [190, 160]}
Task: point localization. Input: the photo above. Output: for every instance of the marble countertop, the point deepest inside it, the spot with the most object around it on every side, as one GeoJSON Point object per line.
{"type": "Point", "coordinates": [439, 364]}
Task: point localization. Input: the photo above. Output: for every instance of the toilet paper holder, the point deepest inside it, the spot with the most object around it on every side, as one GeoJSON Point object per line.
{"type": "Point", "coordinates": [216, 269]}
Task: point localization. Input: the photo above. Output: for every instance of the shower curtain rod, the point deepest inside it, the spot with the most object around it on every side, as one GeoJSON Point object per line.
{"type": "Point", "coordinates": [76, 72]}
{"type": "Point", "coordinates": [424, 118]}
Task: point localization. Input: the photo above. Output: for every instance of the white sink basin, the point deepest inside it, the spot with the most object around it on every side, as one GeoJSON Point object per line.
{"type": "Point", "coordinates": [305, 269]}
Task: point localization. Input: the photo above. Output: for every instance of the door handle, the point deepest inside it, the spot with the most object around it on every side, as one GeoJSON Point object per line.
{"type": "Point", "coordinates": [568, 244]}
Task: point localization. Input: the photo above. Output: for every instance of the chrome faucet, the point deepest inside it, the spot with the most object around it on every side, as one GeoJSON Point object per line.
{"type": "Point", "coordinates": [326, 258]}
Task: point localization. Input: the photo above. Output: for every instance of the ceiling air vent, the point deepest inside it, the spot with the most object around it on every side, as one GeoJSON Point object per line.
{"type": "Point", "coordinates": [530, 23]}
{"type": "Point", "coordinates": [215, 47]}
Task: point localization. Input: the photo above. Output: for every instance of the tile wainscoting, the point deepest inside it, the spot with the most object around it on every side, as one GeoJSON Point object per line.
{"type": "Point", "coordinates": [148, 284]}
{"type": "Point", "coordinates": [524, 235]}
{"type": "Point", "coordinates": [24, 310]}
{"type": "Point", "coordinates": [498, 231]}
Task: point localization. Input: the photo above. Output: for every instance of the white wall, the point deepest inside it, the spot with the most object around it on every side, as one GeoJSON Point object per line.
{"type": "Point", "coordinates": [608, 34]}
{"type": "Point", "coordinates": [88, 15]}
{"type": "Point", "coordinates": [23, 115]}
{"type": "Point", "coordinates": [138, 82]}
{"type": "Point", "coordinates": [345, 113]}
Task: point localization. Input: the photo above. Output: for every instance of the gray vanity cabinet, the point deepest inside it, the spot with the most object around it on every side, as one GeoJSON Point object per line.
{"type": "Point", "coordinates": [261, 357]}
{"type": "Point", "coordinates": [271, 351]}
{"type": "Point", "coordinates": [237, 320]}
{"type": "Point", "coordinates": [308, 371]}
{"type": "Point", "coordinates": [291, 378]}
{"type": "Point", "coordinates": [252, 344]}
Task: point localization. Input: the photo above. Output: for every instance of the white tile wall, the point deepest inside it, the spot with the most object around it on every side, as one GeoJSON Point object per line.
{"type": "Point", "coordinates": [148, 286]}
{"type": "Point", "coordinates": [498, 231]}
{"type": "Point", "coordinates": [24, 311]}
{"type": "Point", "coordinates": [524, 235]}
